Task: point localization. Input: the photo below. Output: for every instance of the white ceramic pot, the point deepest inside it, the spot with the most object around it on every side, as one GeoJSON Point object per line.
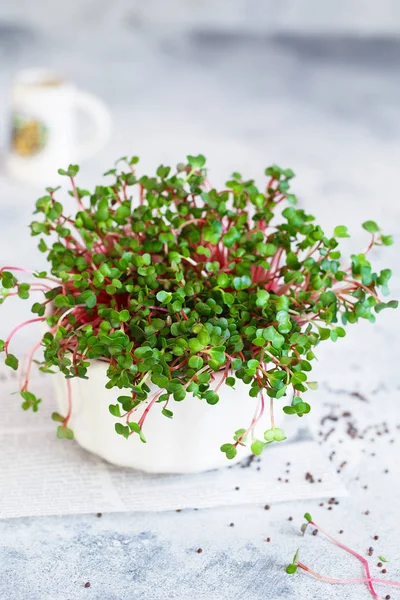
{"type": "Point", "coordinates": [188, 443]}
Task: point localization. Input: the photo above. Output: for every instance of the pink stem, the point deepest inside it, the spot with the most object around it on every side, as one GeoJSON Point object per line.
{"type": "Point", "coordinates": [351, 580]}
{"type": "Point", "coordinates": [76, 195]}
{"type": "Point", "coordinates": [254, 421]}
{"type": "Point", "coordinates": [17, 328]}
{"type": "Point", "coordinates": [354, 553]}
{"type": "Point", "coordinates": [28, 370]}
{"type": "Point", "coordinates": [67, 312]}
{"type": "Point", "coordinates": [144, 415]}
{"type": "Point", "coordinates": [69, 390]}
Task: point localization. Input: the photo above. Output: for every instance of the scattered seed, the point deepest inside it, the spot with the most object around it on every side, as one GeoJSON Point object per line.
{"type": "Point", "coordinates": [267, 507]}
{"type": "Point", "coordinates": [376, 537]}
{"type": "Point", "coordinates": [290, 519]}
{"type": "Point", "coordinates": [383, 571]}
{"type": "Point", "coordinates": [379, 564]}
{"type": "Point", "coordinates": [268, 540]}
{"type": "Point", "coordinates": [99, 515]}
{"type": "Point", "coordinates": [341, 531]}
{"type": "Point", "coordinates": [178, 510]}
{"type": "Point", "coordinates": [315, 532]}
{"type": "Point", "coordinates": [231, 524]}
{"type": "Point", "coordinates": [87, 584]}
{"type": "Point", "coordinates": [237, 488]}
{"type": "Point", "coordinates": [199, 550]}
{"type": "Point", "coordinates": [387, 597]}
{"type": "Point", "coordinates": [370, 551]}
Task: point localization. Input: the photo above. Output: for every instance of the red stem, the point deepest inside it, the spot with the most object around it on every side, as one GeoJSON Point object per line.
{"type": "Point", "coordinates": [351, 580]}
{"type": "Point", "coordinates": [69, 391]}
{"type": "Point", "coordinates": [18, 327]}
{"type": "Point", "coordinates": [354, 553]}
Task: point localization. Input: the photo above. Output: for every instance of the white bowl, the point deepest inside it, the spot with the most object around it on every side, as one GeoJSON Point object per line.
{"type": "Point", "coordinates": [188, 443]}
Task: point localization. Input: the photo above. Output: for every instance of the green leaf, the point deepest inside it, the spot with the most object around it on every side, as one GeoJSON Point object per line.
{"type": "Point", "coordinates": [137, 429]}
{"type": "Point", "coordinates": [387, 240]}
{"type": "Point", "coordinates": [270, 334]}
{"type": "Point", "coordinates": [167, 413]}
{"type": "Point", "coordinates": [11, 361]}
{"type": "Point", "coordinates": [164, 297]}
{"type": "Point", "coordinates": [115, 410]}
{"type": "Point", "coordinates": [341, 232]}
{"type": "Point", "coordinates": [382, 305]}
{"type": "Point", "coordinates": [308, 517]}
{"type": "Point", "coordinates": [229, 450]}
{"type": "Point", "coordinates": [284, 323]}
{"type": "Point", "coordinates": [61, 301]}
{"type": "Point", "coordinates": [290, 569]}
{"type": "Point", "coordinates": [371, 226]}
{"type": "Point", "coordinates": [223, 280]}
{"type": "Point", "coordinates": [262, 298]}
{"type": "Point", "coordinates": [196, 162]}
{"type": "Point", "coordinates": [218, 355]}
{"type": "Point", "coordinates": [195, 362]}
{"type": "Point", "coordinates": [64, 432]}
{"type": "Point", "coordinates": [230, 238]}
{"type": "Point", "coordinates": [122, 430]}
{"type": "Point", "coordinates": [57, 417]}
{"type": "Point", "coordinates": [257, 447]}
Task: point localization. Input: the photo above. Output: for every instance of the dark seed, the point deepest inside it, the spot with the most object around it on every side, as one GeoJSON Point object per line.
{"type": "Point", "coordinates": [87, 584]}
{"type": "Point", "coordinates": [237, 488]}
{"type": "Point", "coordinates": [99, 515]}
{"type": "Point", "coordinates": [383, 571]}
{"type": "Point", "coordinates": [376, 537]}
{"type": "Point", "coordinates": [341, 531]}
{"type": "Point", "coordinates": [199, 550]}
{"type": "Point", "coordinates": [387, 597]}
{"type": "Point", "coordinates": [231, 524]}
{"type": "Point", "coordinates": [267, 507]}
{"type": "Point", "coordinates": [370, 551]}
{"type": "Point", "coordinates": [315, 532]}
{"type": "Point", "coordinates": [379, 564]}
{"type": "Point", "coordinates": [290, 518]}
{"type": "Point", "coordinates": [268, 540]}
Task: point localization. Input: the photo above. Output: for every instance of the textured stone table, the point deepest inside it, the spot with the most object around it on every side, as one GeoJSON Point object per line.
{"type": "Point", "coordinates": [328, 108]}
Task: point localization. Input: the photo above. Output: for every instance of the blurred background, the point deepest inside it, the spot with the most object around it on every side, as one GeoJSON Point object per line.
{"type": "Point", "coordinates": [310, 85]}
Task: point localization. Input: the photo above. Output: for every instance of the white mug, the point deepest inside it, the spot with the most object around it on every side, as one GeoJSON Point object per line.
{"type": "Point", "coordinates": [44, 126]}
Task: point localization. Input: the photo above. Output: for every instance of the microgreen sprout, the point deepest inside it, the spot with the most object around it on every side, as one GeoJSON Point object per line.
{"type": "Point", "coordinates": [181, 287]}
{"type": "Point", "coordinates": [368, 579]}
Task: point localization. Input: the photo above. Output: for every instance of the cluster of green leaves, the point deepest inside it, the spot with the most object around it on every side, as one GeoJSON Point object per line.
{"type": "Point", "coordinates": [170, 281]}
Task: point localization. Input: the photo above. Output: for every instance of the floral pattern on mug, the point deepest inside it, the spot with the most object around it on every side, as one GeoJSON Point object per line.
{"type": "Point", "coordinates": [28, 135]}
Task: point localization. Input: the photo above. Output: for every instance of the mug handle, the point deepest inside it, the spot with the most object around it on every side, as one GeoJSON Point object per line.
{"type": "Point", "coordinates": [99, 113]}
